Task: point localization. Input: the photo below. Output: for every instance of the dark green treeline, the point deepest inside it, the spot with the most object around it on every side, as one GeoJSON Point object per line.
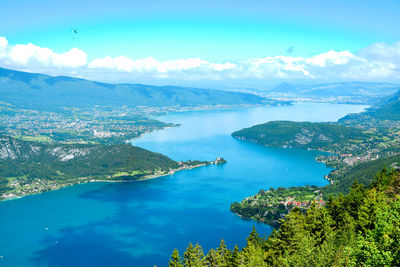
{"type": "Point", "coordinates": [359, 229]}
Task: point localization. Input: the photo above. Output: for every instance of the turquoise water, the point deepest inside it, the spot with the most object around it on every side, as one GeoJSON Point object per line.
{"type": "Point", "coordinates": [139, 223]}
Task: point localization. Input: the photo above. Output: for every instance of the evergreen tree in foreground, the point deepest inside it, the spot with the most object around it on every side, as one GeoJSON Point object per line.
{"type": "Point", "coordinates": [360, 229]}
{"type": "Point", "coordinates": [175, 260]}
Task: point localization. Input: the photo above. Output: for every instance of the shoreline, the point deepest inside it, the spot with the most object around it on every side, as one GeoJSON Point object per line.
{"type": "Point", "coordinates": [129, 141]}
{"type": "Point", "coordinates": [321, 150]}
{"type": "Point", "coordinates": [213, 108]}
{"type": "Point", "coordinates": [149, 177]}
{"type": "Point", "coordinates": [85, 180]}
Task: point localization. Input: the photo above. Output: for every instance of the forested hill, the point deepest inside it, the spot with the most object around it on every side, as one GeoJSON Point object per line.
{"type": "Point", "coordinates": [23, 162]}
{"type": "Point", "coordinates": [387, 109]}
{"type": "Point", "coordinates": [346, 92]}
{"type": "Point", "coordinates": [38, 91]}
{"type": "Point", "coordinates": [360, 229]}
{"type": "Point", "coordinates": [363, 173]}
{"type": "Point", "coordinates": [355, 152]}
{"type": "Point", "coordinates": [299, 134]}
{"type": "Point", "coordinates": [361, 89]}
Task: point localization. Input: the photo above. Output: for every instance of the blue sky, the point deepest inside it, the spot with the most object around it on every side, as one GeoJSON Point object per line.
{"type": "Point", "coordinates": [214, 31]}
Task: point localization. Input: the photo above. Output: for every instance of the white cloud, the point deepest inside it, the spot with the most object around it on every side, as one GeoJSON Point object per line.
{"type": "Point", "coordinates": [382, 52]}
{"type": "Point", "coordinates": [224, 66]}
{"type": "Point", "coordinates": [32, 56]}
{"type": "Point", "coordinates": [123, 63]}
{"type": "Point", "coordinates": [379, 62]}
{"type": "Point", "coordinates": [330, 58]}
{"type": "Point", "coordinates": [73, 58]}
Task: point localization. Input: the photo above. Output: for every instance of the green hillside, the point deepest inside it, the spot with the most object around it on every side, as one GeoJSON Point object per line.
{"type": "Point", "coordinates": [23, 162]}
{"type": "Point", "coordinates": [388, 108]}
{"type": "Point", "coordinates": [38, 91]}
{"type": "Point", "coordinates": [363, 173]}
{"type": "Point", "coordinates": [300, 134]}
{"type": "Point", "coordinates": [360, 229]}
{"type": "Point", "coordinates": [356, 152]}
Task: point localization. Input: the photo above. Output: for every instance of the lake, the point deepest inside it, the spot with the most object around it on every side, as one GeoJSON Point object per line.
{"type": "Point", "coordinates": [140, 223]}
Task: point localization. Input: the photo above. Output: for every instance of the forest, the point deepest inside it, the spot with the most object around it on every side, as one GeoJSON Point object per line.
{"type": "Point", "coordinates": [23, 162]}
{"type": "Point", "coordinates": [301, 134]}
{"type": "Point", "coordinates": [361, 228]}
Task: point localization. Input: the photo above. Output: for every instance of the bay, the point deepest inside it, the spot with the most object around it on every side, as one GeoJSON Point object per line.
{"type": "Point", "coordinates": [140, 223]}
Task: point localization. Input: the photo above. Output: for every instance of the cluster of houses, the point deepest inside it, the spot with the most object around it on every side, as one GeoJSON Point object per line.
{"type": "Point", "coordinates": [351, 160]}
{"type": "Point", "coordinates": [293, 203]}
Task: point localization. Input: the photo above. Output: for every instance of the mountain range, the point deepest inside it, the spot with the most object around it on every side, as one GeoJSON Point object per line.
{"type": "Point", "coordinates": [388, 108]}
{"type": "Point", "coordinates": [39, 91]}
{"type": "Point", "coordinates": [369, 91]}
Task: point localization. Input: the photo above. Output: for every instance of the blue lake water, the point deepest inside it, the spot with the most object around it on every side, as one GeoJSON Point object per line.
{"type": "Point", "coordinates": [140, 223]}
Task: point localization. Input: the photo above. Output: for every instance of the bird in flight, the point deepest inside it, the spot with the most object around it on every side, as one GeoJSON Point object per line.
{"type": "Point", "coordinates": [75, 32]}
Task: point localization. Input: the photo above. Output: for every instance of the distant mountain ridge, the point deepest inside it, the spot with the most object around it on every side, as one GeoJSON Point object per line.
{"type": "Point", "coordinates": [340, 89]}
{"type": "Point", "coordinates": [32, 90]}
{"type": "Point", "coordinates": [387, 108]}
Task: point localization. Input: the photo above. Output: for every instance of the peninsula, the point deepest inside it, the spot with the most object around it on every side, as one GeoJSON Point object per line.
{"type": "Point", "coordinates": [28, 167]}
{"type": "Point", "coordinates": [358, 144]}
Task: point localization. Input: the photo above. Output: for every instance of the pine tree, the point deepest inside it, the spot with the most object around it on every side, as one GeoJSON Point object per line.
{"type": "Point", "coordinates": [360, 229]}
{"type": "Point", "coordinates": [318, 223]}
{"type": "Point", "coordinates": [222, 254]}
{"type": "Point", "coordinates": [175, 260]}
{"type": "Point", "coordinates": [189, 256]}
{"type": "Point", "coordinates": [253, 237]}
{"type": "Point", "coordinates": [355, 198]}
{"type": "Point", "coordinates": [200, 258]}
{"type": "Point", "coordinates": [337, 210]}
{"type": "Point", "coordinates": [212, 258]}
{"type": "Point", "coordinates": [252, 255]}
{"type": "Point", "coordinates": [194, 256]}
{"type": "Point", "coordinates": [234, 260]}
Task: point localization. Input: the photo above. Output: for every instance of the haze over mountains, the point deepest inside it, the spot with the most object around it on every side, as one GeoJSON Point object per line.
{"type": "Point", "coordinates": [367, 92]}
{"type": "Point", "coordinates": [387, 108]}
{"type": "Point", "coordinates": [41, 91]}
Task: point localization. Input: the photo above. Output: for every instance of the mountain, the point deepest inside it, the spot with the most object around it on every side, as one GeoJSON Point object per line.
{"type": "Point", "coordinates": [299, 134]}
{"type": "Point", "coordinates": [285, 87]}
{"type": "Point", "coordinates": [368, 91]}
{"type": "Point", "coordinates": [70, 163]}
{"type": "Point", "coordinates": [388, 108]}
{"type": "Point", "coordinates": [39, 91]}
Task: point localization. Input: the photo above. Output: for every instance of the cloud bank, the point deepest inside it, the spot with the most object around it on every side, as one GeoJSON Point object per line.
{"type": "Point", "coordinates": [377, 62]}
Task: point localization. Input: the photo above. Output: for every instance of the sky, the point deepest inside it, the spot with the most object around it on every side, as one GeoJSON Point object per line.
{"type": "Point", "coordinates": [220, 42]}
